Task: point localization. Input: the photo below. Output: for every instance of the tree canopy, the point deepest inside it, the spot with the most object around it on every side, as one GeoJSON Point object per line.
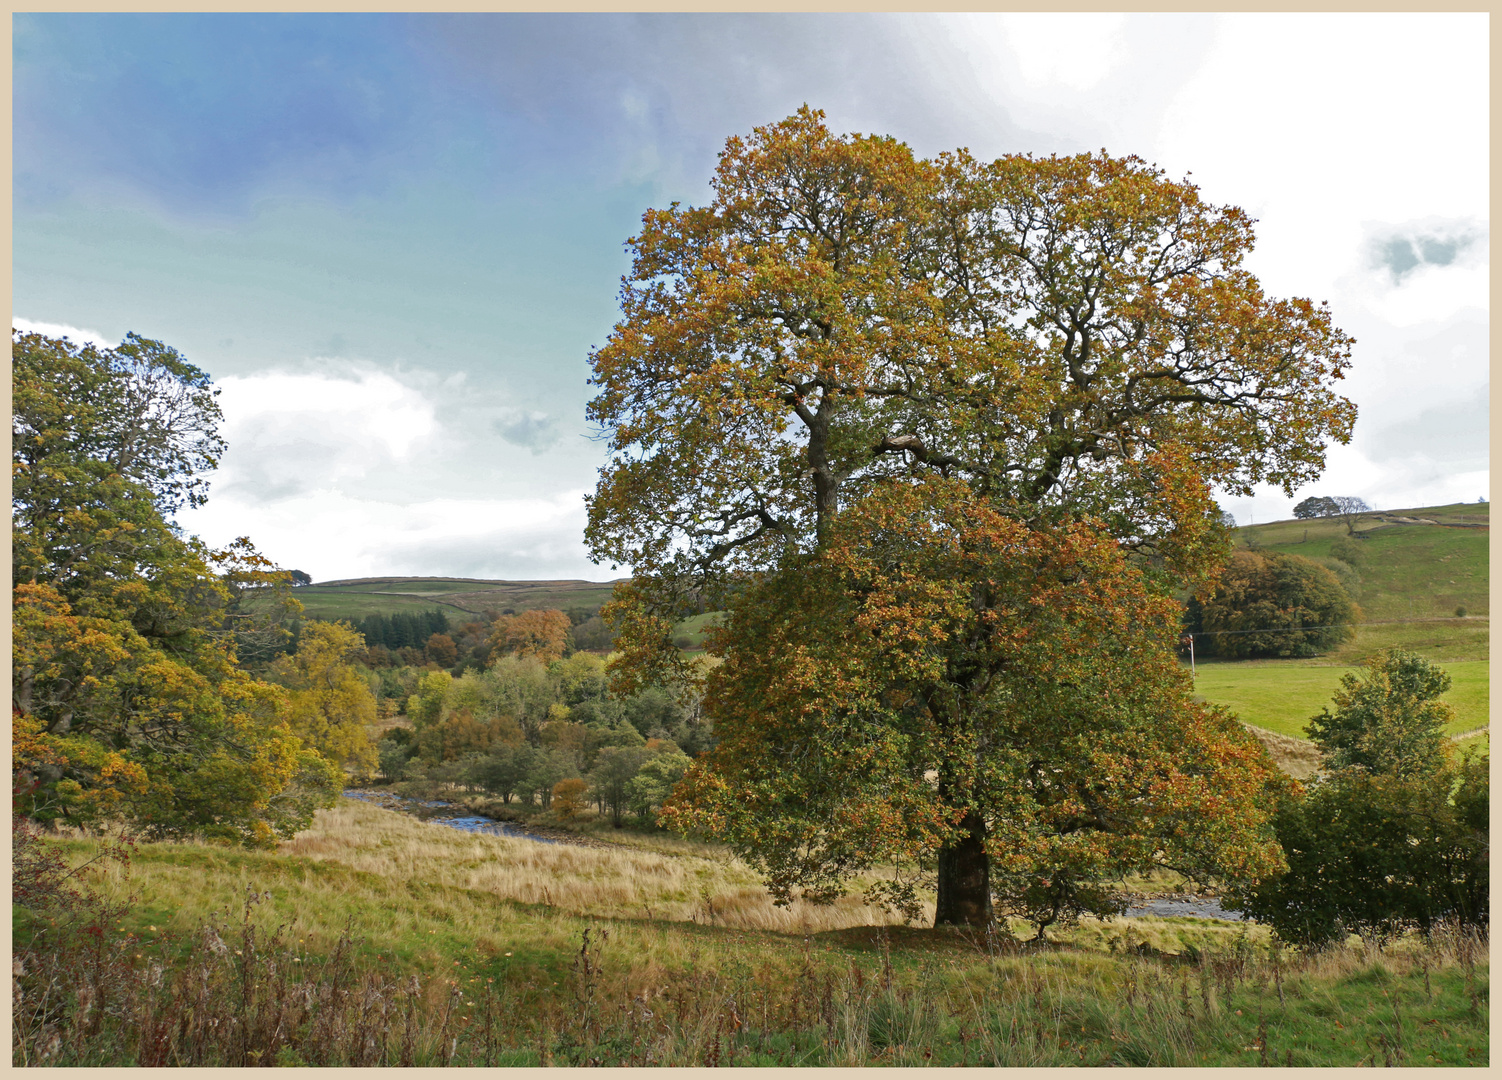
{"type": "Point", "coordinates": [128, 700]}
{"type": "Point", "coordinates": [1268, 603]}
{"type": "Point", "coordinates": [1062, 346]}
{"type": "Point", "coordinates": [1389, 721]}
{"type": "Point", "coordinates": [1316, 506]}
{"type": "Point", "coordinates": [1071, 335]}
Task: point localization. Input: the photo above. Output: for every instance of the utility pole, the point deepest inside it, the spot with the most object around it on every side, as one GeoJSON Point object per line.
{"type": "Point", "coordinates": [1189, 639]}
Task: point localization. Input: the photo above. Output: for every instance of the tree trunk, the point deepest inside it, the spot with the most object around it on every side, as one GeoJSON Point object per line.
{"type": "Point", "coordinates": [965, 878]}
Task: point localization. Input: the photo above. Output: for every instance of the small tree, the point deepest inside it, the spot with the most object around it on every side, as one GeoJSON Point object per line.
{"type": "Point", "coordinates": [615, 768]}
{"type": "Point", "coordinates": [1350, 508]}
{"type": "Point", "coordinates": [1390, 722]}
{"type": "Point", "coordinates": [332, 708]}
{"type": "Point", "coordinates": [654, 782]}
{"type": "Point", "coordinates": [1316, 507]}
{"type": "Point", "coordinates": [568, 797]}
{"type": "Point", "coordinates": [442, 650]}
{"type": "Point", "coordinates": [540, 634]}
{"type": "Point", "coordinates": [505, 770]}
{"type": "Point", "coordinates": [1271, 604]}
{"type": "Point", "coordinates": [1397, 835]}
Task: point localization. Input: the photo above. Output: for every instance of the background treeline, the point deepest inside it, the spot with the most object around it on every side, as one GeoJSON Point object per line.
{"type": "Point", "coordinates": [402, 630]}
{"type": "Point", "coordinates": [523, 727]}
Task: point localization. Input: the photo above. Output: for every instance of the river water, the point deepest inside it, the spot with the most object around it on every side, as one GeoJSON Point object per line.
{"type": "Point", "coordinates": [460, 821]}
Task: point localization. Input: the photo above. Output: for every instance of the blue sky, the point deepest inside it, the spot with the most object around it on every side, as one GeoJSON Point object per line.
{"type": "Point", "coordinates": [393, 239]}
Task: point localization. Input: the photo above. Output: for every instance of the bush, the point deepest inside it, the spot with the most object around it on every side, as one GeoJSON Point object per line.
{"type": "Point", "coordinates": [1378, 854]}
{"type": "Point", "coordinates": [1349, 551]}
{"type": "Point", "coordinates": [1272, 604]}
{"type": "Point", "coordinates": [1460, 612]}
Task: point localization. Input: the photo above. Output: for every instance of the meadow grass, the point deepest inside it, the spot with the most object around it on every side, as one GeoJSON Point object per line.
{"type": "Point", "coordinates": [1282, 695]}
{"type": "Point", "coordinates": [377, 939]}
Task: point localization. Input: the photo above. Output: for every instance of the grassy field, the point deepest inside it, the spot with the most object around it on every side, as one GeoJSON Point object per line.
{"type": "Point", "coordinates": [1282, 695]}
{"type": "Point", "coordinates": [1413, 577]}
{"type": "Point", "coordinates": [478, 945]}
{"type": "Point", "coordinates": [460, 598]}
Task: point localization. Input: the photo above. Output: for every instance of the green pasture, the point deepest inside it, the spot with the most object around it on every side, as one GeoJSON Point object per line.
{"type": "Point", "coordinates": [459, 597]}
{"type": "Point", "coordinates": [1281, 695]}
{"type": "Point", "coordinates": [1409, 571]}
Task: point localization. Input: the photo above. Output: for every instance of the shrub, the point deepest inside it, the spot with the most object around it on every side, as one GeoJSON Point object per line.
{"type": "Point", "coordinates": [1349, 551]}
{"type": "Point", "coordinates": [1460, 612]}
{"type": "Point", "coordinates": [1377, 854]}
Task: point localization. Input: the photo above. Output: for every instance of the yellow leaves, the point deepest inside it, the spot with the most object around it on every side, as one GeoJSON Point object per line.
{"type": "Point", "coordinates": [539, 634]}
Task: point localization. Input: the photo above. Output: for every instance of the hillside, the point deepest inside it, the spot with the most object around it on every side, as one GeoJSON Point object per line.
{"type": "Point", "coordinates": [1420, 563]}
{"type": "Point", "coordinates": [1419, 566]}
{"type": "Point", "coordinates": [355, 598]}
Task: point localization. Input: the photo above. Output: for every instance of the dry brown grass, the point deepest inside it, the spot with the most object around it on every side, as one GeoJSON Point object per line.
{"type": "Point", "coordinates": [684, 886]}
{"type": "Point", "coordinates": [1297, 757]}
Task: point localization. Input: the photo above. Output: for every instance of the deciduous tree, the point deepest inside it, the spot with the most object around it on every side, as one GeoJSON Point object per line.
{"type": "Point", "coordinates": [1074, 339]}
{"type": "Point", "coordinates": [1316, 507]}
{"type": "Point", "coordinates": [333, 709]}
{"type": "Point", "coordinates": [542, 635]}
{"type": "Point", "coordinates": [1268, 603]}
{"type": "Point", "coordinates": [947, 686]}
{"type": "Point", "coordinates": [1390, 719]}
{"type": "Point", "coordinates": [1350, 508]}
{"type": "Point", "coordinates": [128, 699]}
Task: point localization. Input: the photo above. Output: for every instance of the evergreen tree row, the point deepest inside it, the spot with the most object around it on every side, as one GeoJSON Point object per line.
{"type": "Point", "coordinates": [403, 630]}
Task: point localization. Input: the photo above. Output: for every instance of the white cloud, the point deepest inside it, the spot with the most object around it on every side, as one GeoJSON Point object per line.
{"type": "Point", "coordinates": [1072, 50]}
{"type": "Point", "coordinates": [351, 471]}
{"type": "Point", "coordinates": [1340, 133]}
{"type": "Point", "coordinates": [291, 432]}
{"type": "Point", "coordinates": [77, 335]}
{"type": "Point", "coordinates": [1318, 123]}
{"type": "Point", "coordinates": [331, 535]}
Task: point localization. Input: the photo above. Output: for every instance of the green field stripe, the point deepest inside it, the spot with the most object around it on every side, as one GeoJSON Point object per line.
{"type": "Point", "coordinates": [1282, 696]}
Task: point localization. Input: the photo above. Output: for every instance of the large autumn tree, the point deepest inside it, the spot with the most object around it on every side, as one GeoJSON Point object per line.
{"type": "Point", "coordinates": [1072, 341]}
{"type": "Point", "coordinates": [128, 700]}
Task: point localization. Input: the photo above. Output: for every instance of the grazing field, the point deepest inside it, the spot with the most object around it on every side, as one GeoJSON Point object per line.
{"type": "Point", "coordinates": [1414, 577]}
{"type": "Point", "coordinates": [1408, 571]}
{"type": "Point", "coordinates": [1281, 695]}
{"type": "Point", "coordinates": [375, 939]}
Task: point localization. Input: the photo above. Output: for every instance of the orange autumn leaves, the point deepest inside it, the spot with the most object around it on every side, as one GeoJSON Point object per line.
{"type": "Point", "coordinates": [1030, 669]}
{"type": "Point", "coordinates": [542, 635]}
{"type": "Point", "coordinates": [940, 437]}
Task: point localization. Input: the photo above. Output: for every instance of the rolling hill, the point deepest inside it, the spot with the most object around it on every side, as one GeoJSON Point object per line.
{"type": "Point", "coordinates": [459, 598]}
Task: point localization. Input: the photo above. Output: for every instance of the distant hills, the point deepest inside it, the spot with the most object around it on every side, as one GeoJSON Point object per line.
{"type": "Point", "coordinates": [355, 598]}
{"type": "Point", "coordinates": [1423, 562]}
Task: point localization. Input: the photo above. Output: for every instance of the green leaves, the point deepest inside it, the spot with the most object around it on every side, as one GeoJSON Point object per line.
{"type": "Point", "coordinates": [125, 677]}
{"type": "Point", "coordinates": [1390, 722]}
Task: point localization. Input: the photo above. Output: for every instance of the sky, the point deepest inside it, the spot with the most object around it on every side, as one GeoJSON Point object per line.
{"type": "Point", "coordinates": [393, 240]}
